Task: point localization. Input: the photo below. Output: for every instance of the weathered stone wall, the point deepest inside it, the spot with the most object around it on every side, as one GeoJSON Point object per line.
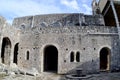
{"type": "Point", "coordinates": [58, 20]}
{"type": "Point", "coordinates": [87, 40]}
{"type": "Point", "coordinates": [12, 34]}
{"type": "Point", "coordinates": [69, 33]}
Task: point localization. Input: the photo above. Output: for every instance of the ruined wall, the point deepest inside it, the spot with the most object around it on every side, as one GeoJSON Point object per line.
{"type": "Point", "coordinates": [69, 33]}
{"type": "Point", "coordinates": [58, 20]}
{"type": "Point", "coordinates": [87, 40]}
{"type": "Point", "coordinates": [2, 22]}
{"type": "Point", "coordinates": [79, 34]}
{"type": "Point", "coordinates": [9, 36]}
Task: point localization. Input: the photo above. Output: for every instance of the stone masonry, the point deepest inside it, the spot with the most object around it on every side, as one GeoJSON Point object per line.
{"type": "Point", "coordinates": [59, 43]}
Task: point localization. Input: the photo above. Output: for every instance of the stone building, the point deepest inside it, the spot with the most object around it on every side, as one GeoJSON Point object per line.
{"type": "Point", "coordinates": [60, 43]}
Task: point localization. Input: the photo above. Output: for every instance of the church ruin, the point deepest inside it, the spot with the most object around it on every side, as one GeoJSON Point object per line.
{"type": "Point", "coordinates": [60, 43]}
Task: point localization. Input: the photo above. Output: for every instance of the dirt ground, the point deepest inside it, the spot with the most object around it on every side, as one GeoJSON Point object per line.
{"type": "Point", "coordinates": [49, 76]}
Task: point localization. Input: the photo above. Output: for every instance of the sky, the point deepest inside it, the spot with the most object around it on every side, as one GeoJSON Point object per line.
{"type": "Point", "coordinates": [11, 9]}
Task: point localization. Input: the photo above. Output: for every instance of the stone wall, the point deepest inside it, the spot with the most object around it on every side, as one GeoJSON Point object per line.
{"type": "Point", "coordinates": [58, 20]}
{"type": "Point", "coordinates": [87, 40]}
{"type": "Point", "coordinates": [83, 36]}
{"type": "Point", "coordinates": [11, 36]}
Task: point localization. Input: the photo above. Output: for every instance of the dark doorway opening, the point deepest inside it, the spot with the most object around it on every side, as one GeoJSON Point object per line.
{"type": "Point", "coordinates": [50, 59]}
{"type": "Point", "coordinates": [15, 59]}
{"type": "Point", "coordinates": [6, 50]}
{"type": "Point", "coordinates": [104, 59]}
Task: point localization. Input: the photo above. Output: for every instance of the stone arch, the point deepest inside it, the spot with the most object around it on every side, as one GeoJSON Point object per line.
{"type": "Point", "coordinates": [105, 58]}
{"type": "Point", "coordinates": [6, 50]}
{"type": "Point", "coordinates": [15, 58]}
{"type": "Point", "coordinates": [50, 58]}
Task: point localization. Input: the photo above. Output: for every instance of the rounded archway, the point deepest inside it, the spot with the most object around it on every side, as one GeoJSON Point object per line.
{"type": "Point", "coordinates": [105, 58]}
{"type": "Point", "coordinates": [15, 58]}
{"type": "Point", "coordinates": [50, 59]}
{"type": "Point", "coordinates": [6, 50]}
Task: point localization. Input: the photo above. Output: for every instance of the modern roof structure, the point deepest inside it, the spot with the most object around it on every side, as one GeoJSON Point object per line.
{"type": "Point", "coordinates": [110, 10]}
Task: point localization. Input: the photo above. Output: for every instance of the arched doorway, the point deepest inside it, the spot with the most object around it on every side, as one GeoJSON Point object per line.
{"type": "Point", "coordinates": [6, 50]}
{"type": "Point", "coordinates": [50, 58]}
{"type": "Point", "coordinates": [15, 58]}
{"type": "Point", "coordinates": [105, 58]}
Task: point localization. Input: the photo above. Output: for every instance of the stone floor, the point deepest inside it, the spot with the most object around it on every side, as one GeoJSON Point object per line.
{"type": "Point", "coordinates": [52, 76]}
{"type": "Point", "coordinates": [102, 76]}
{"type": "Point", "coordinates": [105, 76]}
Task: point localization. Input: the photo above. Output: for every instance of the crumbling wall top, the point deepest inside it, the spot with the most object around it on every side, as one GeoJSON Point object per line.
{"type": "Point", "coordinates": [3, 23]}
{"type": "Point", "coordinates": [2, 20]}
{"type": "Point", "coordinates": [58, 20]}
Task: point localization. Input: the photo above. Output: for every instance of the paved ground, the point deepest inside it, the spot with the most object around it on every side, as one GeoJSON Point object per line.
{"type": "Point", "coordinates": [103, 76]}
{"type": "Point", "coordinates": [49, 76]}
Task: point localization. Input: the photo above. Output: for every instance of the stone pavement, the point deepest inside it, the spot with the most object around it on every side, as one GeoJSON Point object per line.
{"type": "Point", "coordinates": [105, 76]}
{"type": "Point", "coordinates": [101, 76]}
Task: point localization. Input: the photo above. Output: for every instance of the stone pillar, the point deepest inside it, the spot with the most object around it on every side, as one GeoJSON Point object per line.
{"type": "Point", "coordinates": [11, 55]}
{"type": "Point", "coordinates": [1, 40]}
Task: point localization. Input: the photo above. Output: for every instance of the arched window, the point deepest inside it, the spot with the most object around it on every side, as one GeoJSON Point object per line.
{"type": "Point", "coordinates": [15, 58]}
{"type": "Point", "coordinates": [78, 56]}
{"type": "Point", "coordinates": [72, 57]}
{"type": "Point", "coordinates": [27, 56]}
